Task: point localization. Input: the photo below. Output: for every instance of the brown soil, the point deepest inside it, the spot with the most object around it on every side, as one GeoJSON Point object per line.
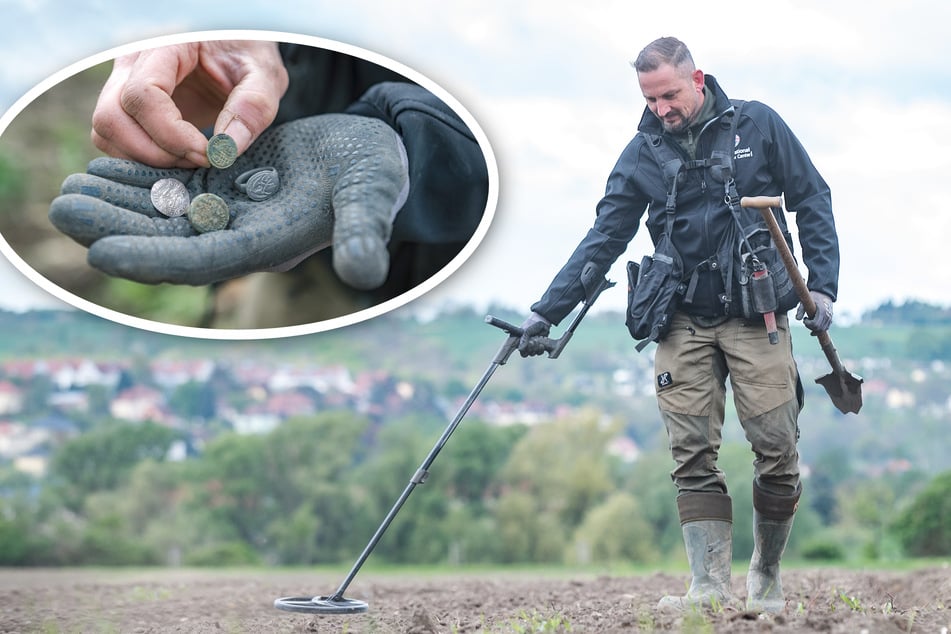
{"type": "Point", "coordinates": [819, 600]}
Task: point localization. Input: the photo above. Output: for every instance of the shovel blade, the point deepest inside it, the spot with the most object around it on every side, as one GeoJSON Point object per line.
{"type": "Point", "coordinates": [845, 390]}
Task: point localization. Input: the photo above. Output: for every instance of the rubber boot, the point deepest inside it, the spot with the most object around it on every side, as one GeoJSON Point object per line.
{"type": "Point", "coordinates": [707, 524]}
{"type": "Point", "coordinates": [772, 523]}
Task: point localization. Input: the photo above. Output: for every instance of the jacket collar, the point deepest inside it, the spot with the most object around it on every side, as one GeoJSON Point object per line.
{"type": "Point", "coordinates": [650, 124]}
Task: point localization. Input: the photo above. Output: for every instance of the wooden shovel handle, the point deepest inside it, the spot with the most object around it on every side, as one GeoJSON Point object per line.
{"type": "Point", "coordinates": [765, 205]}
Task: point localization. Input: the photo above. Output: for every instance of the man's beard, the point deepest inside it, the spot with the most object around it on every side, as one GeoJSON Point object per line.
{"type": "Point", "coordinates": [677, 127]}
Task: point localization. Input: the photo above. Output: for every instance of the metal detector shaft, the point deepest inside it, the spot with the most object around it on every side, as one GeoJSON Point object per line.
{"type": "Point", "coordinates": [593, 283]}
{"type": "Point", "coordinates": [510, 344]}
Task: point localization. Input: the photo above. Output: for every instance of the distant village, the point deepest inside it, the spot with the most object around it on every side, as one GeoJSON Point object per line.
{"type": "Point", "coordinates": [44, 403]}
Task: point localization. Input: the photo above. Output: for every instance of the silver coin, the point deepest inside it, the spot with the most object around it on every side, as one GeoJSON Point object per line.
{"type": "Point", "coordinates": [258, 184]}
{"type": "Point", "coordinates": [208, 212]}
{"type": "Point", "coordinates": [170, 197]}
{"type": "Point", "coordinates": [222, 151]}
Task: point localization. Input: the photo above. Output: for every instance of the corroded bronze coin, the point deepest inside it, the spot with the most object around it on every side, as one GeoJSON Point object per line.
{"type": "Point", "coordinates": [222, 151]}
{"type": "Point", "coordinates": [208, 213]}
{"type": "Point", "coordinates": [170, 197]}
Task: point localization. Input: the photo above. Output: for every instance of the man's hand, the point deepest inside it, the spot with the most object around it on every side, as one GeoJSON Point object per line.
{"type": "Point", "coordinates": [155, 102]}
{"type": "Point", "coordinates": [821, 321]}
{"type": "Point", "coordinates": [533, 329]}
{"type": "Point", "coordinates": [343, 179]}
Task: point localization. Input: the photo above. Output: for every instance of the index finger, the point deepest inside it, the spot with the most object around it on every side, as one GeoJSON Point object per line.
{"type": "Point", "coordinates": [147, 98]}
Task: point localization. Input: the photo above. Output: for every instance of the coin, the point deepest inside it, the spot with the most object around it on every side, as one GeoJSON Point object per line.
{"type": "Point", "coordinates": [258, 184]}
{"type": "Point", "coordinates": [169, 197]}
{"type": "Point", "coordinates": [221, 151]}
{"type": "Point", "coordinates": [208, 213]}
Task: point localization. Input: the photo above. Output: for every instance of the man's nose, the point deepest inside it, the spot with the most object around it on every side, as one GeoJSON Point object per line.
{"type": "Point", "coordinates": [662, 109]}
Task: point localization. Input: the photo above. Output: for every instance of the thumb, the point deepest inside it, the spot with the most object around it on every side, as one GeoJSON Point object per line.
{"type": "Point", "coordinates": [248, 111]}
{"type": "Point", "coordinates": [366, 199]}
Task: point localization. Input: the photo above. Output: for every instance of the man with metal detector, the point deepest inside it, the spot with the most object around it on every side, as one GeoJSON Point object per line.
{"type": "Point", "coordinates": [714, 297]}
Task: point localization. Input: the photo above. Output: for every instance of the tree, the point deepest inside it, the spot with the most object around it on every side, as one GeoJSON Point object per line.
{"type": "Point", "coordinates": [399, 448]}
{"type": "Point", "coordinates": [649, 482]}
{"type": "Point", "coordinates": [525, 533]}
{"type": "Point", "coordinates": [828, 470]}
{"type": "Point", "coordinates": [614, 531]}
{"type": "Point", "coordinates": [194, 400]}
{"type": "Point", "coordinates": [20, 541]}
{"type": "Point", "coordinates": [470, 464]}
{"type": "Point", "coordinates": [564, 465]}
{"type": "Point", "coordinates": [37, 394]}
{"type": "Point", "coordinates": [270, 491]}
{"type": "Point", "coordinates": [924, 527]}
{"type": "Point", "coordinates": [102, 458]}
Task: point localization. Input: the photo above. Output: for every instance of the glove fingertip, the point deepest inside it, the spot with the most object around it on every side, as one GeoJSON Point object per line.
{"type": "Point", "coordinates": [76, 216]}
{"type": "Point", "coordinates": [362, 262]}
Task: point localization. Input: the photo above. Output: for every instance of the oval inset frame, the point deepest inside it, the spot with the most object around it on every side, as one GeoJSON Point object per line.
{"type": "Point", "coordinates": [284, 331]}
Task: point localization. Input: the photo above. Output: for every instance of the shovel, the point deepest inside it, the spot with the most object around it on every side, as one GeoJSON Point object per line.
{"type": "Point", "coordinates": [844, 388]}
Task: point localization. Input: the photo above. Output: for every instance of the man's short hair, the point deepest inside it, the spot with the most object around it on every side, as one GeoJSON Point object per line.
{"type": "Point", "coordinates": [665, 50]}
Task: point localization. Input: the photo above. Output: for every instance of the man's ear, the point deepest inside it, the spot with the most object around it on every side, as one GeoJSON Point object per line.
{"type": "Point", "coordinates": [698, 80]}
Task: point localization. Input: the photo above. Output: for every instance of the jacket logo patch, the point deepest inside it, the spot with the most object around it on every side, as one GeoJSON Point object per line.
{"type": "Point", "coordinates": [664, 379]}
{"type": "Point", "coordinates": [742, 153]}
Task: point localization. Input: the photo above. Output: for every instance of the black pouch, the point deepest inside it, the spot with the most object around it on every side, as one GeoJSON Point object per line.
{"type": "Point", "coordinates": [765, 251]}
{"type": "Point", "coordinates": [655, 287]}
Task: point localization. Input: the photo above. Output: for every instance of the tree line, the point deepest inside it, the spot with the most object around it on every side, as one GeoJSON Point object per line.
{"type": "Point", "coordinates": [315, 489]}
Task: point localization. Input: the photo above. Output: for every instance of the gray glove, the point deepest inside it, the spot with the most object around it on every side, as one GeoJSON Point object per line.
{"type": "Point", "coordinates": [821, 321]}
{"type": "Point", "coordinates": [343, 179]}
{"type": "Point", "coordinates": [531, 344]}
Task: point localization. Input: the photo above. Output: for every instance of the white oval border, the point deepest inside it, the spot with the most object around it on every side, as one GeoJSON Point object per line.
{"type": "Point", "coordinates": [285, 331]}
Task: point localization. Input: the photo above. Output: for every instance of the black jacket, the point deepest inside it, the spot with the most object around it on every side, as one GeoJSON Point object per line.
{"type": "Point", "coordinates": [768, 161]}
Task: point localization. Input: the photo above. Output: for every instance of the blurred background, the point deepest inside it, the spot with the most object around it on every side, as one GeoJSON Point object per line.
{"type": "Point", "coordinates": [46, 142]}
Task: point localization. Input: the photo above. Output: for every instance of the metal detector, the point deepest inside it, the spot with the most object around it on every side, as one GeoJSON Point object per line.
{"type": "Point", "coordinates": [593, 282]}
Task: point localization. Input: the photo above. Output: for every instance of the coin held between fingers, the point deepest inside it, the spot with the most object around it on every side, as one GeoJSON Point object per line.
{"type": "Point", "coordinates": [170, 197]}
{"type": "Point", "coordinates": [222, 151]}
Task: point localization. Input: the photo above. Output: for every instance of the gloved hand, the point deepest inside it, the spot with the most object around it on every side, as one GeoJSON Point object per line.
{"type": "Point", "coordinates": [343, 178]}
{"type": "Point", "coordinates": [821, 321]}
{"type": "Point", "coordinates": [529, 344]}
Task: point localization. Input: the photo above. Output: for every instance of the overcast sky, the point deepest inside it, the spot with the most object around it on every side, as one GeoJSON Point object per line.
{"type": "Point", "coordinates": [865, 86]}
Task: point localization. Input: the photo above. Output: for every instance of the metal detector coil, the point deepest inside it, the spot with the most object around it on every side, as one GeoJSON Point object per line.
{"type": "Point", "coordinates": [321, 605]}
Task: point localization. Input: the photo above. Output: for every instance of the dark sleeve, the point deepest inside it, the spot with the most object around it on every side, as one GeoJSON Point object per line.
{"type": "Point", "coordinates": [807, 194]}
{"type": "Point", "coordinates": [448, 177]}
{"type": "Point", "coordinates": [324, 81]}
{"type": "Point", "coordinates": [448, 173]}
{"type": "Point", "coordinates": [618, 216]}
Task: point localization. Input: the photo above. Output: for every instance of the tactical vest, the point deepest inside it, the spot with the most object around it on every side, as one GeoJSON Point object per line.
{"type": "Point", "coordinates": [746, 247]}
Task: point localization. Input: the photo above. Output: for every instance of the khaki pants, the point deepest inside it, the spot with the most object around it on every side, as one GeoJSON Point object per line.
{"type": "Point", "coordinates": [692, 363]}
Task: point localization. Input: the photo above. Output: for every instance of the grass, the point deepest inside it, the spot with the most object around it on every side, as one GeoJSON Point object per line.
{"type": "Point", "coordinates": [534, 622]}
{"type": "Point", "coordinates": [850, 602]}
